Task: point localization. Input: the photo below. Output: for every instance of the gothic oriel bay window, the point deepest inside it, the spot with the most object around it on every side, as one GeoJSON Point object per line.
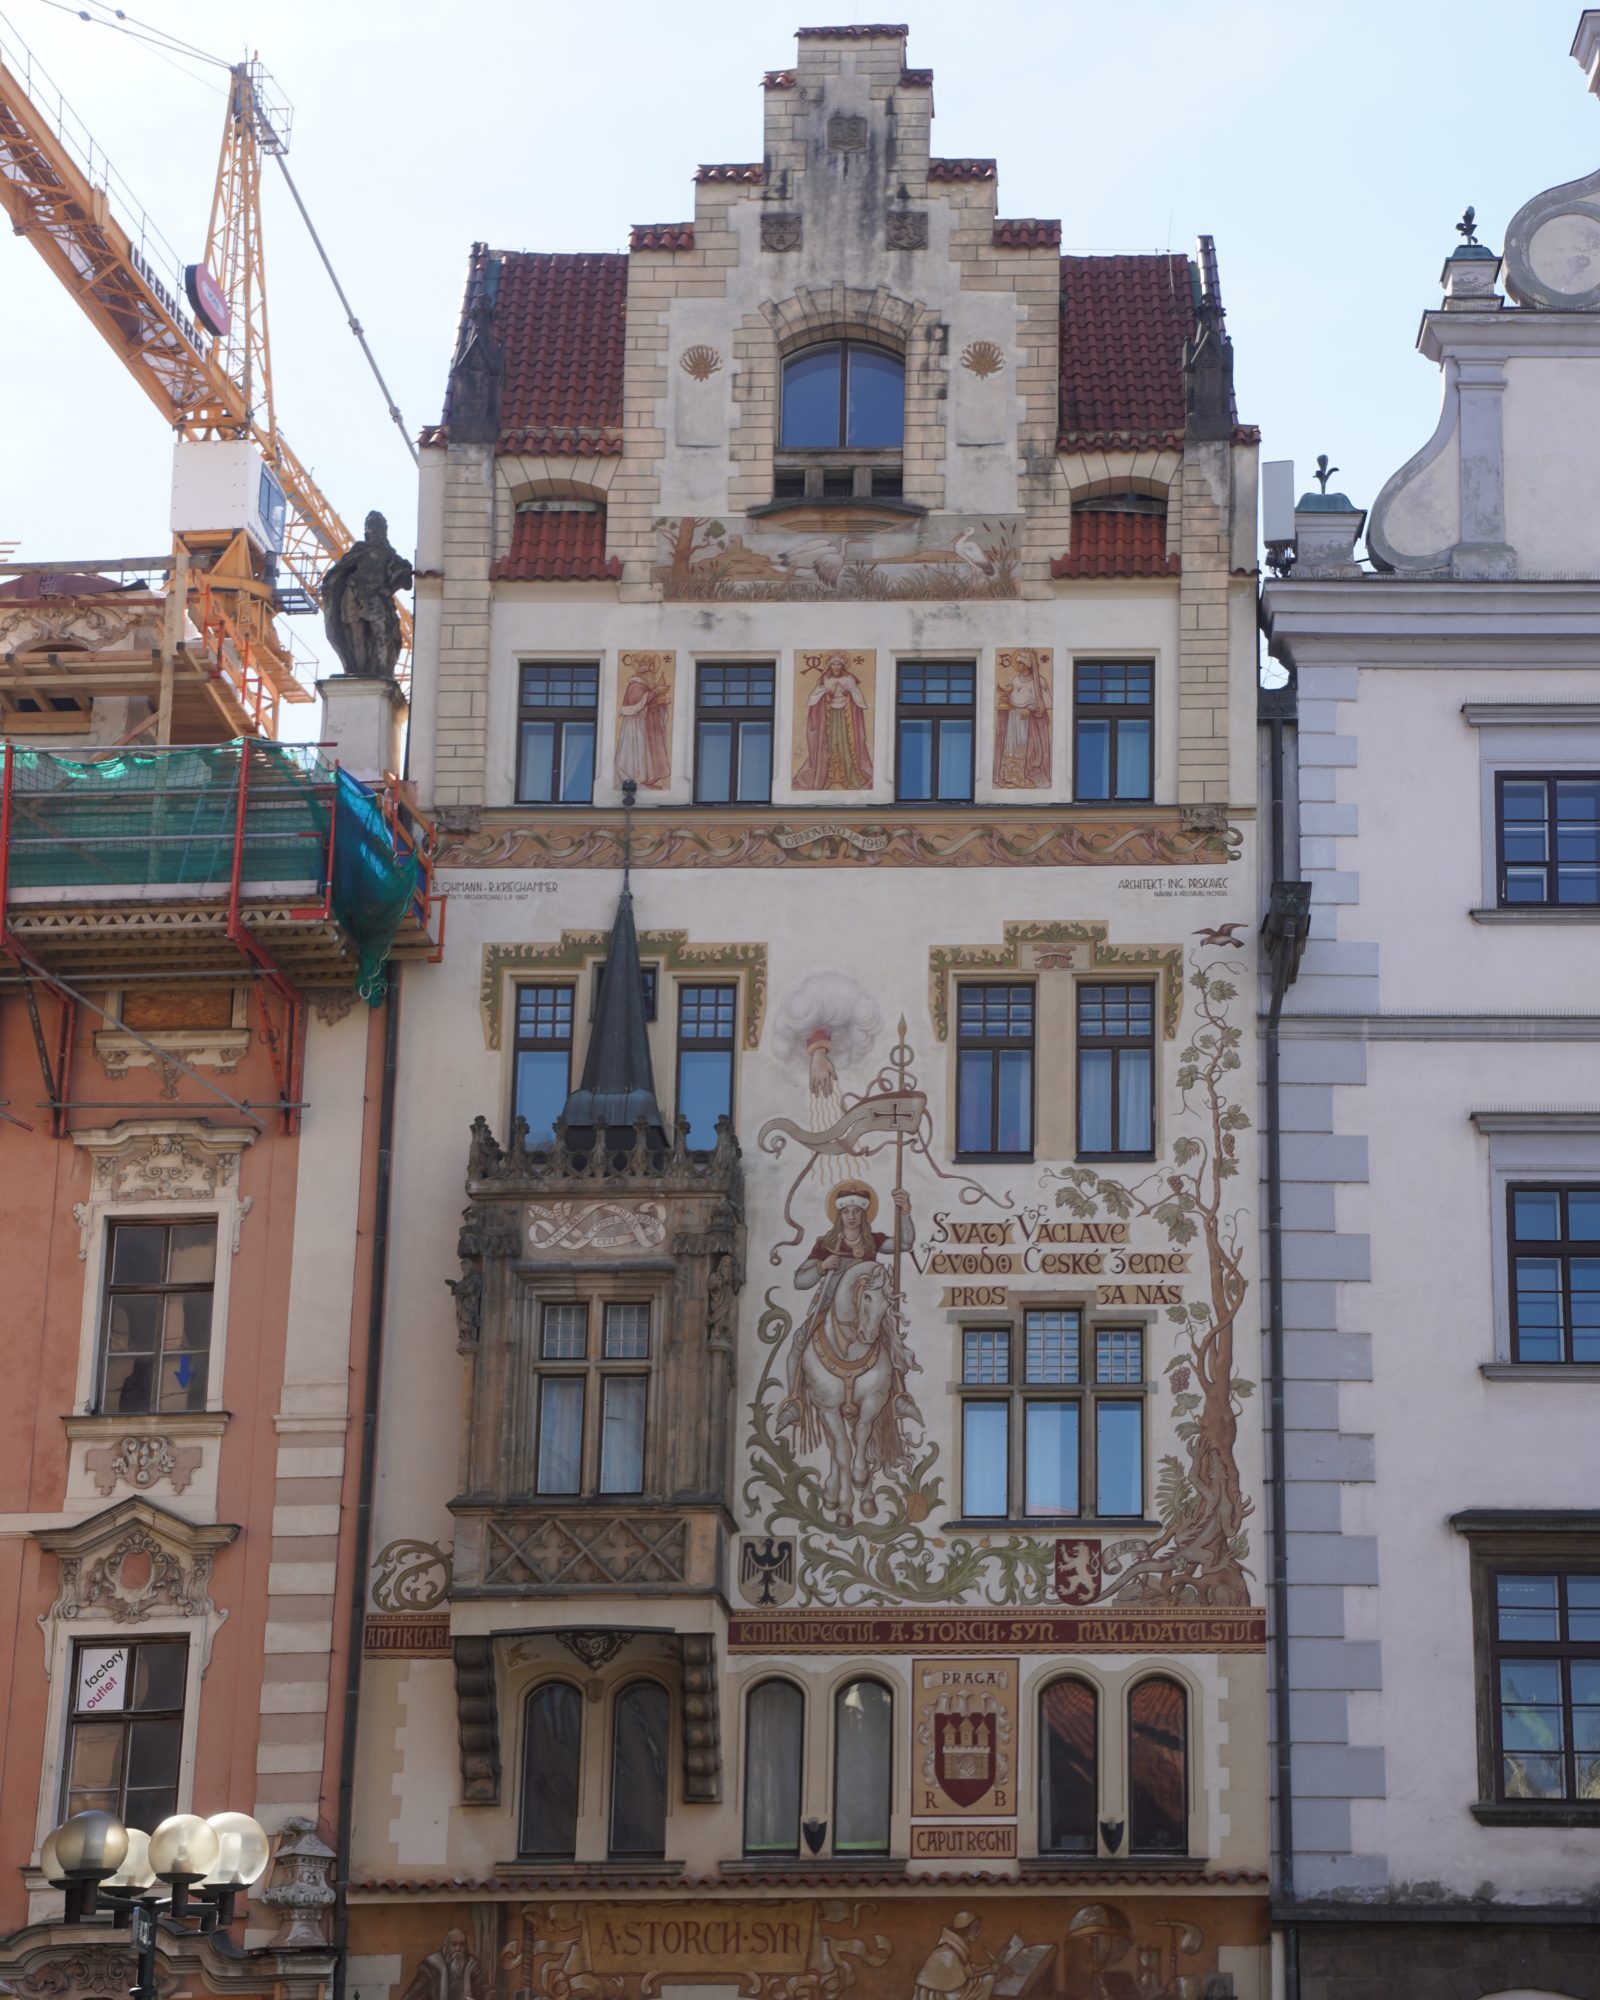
{"type": "Point", "coordinates": [1158, 1767]}
{"type": "Point", "coordinates": [593, 1399]}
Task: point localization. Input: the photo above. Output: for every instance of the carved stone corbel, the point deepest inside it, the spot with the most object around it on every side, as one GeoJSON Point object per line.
{"type": "Point", "coordinates": [478, 1722]}
{"type": "Point", "coordinates": [702, 1721]}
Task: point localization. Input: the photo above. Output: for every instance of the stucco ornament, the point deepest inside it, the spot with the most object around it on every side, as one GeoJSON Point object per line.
{"type": "Point", "coordinates": [145, 1163]}
{"type": "Point", "coordinates": [96, 1969]}
{"type": "Point", "coordinates": [411, 1576]}
{"type": "Point", "coordinates": [1552, 253]}
{"type": "Point", "coordinates": [143, 1461]}
{"type": "Point", "coordinates": [129, 1563]}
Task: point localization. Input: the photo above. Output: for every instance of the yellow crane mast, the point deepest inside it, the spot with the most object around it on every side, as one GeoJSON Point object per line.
{"type": "Point", "coordinates": [207, 368]}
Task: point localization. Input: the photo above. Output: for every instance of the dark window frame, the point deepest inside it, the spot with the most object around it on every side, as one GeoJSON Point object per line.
{"type": "Point", "coordinates": [521, 1043]}
{"type": "Point", "coordinates": [1562, 1649]}
{"type": "Point", "coordinates": [749, 1849]}
{"type": "Point", "coordinates": [938, 713]}
{"type": "Point", "coordinates": [1087, 1391]}
{"type": "Point", "coordinates": [1114, 713]}
{"type": "Point", "coordinates": [737, 716]}
{"type": "Point", "coordinates": [614, 1852]}
{"type": "Point", "coordinates": [126, 1717]}
{"type": "Point", "coordinates": [859, 1849]}
{"type": "Point", "coordinates": [165, 1288]}
{"type": "Point", "coordinates": [562, 715]}
{"type": "Point", "coordinates": [1117, 1044]}
{"type": "Point", "coordinates": [843, 343]}
{"type": "Point", "coordinates": [1562, 1249]}
{"type": "Point", "coordinates": [525, 1849]}
{"type": "Point", "coordinates": [594, 1368]}
{"type": "Point", "coordinates": [1045, 1847]}
{"type": "Point", "coordinates": [996, 1045]}
{"type": "Point", "coordinates": [1550, 865]}
{"type": "Point", "coordinates": [649, 982]}
{"type": "Point", "coordinates": [717, 1044]}
{"type": "Point", "coordinates": [1134, 1844]}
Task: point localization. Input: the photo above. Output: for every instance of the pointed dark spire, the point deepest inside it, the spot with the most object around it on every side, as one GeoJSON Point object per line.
{"type": "Point", "coordinates": [618, 1087]}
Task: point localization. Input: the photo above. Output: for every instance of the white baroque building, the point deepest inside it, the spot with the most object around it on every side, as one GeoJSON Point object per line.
{"type": "Point", "coordinates": [1437, 1155]}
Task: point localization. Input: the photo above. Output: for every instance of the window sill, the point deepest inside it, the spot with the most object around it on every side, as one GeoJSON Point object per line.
{"type": "Point", "coordinates": [1540, 1371]}
{"type": "Point", "coordinates": [1136, 1157]}
{"type": "Point", "coordinates": [839, 503]}
{"type": "Point", "coordinates": [1536, 1812]}
{"type": "Point", "coordinates": [592, 1871]}
{"type": "Point", "coordinates": [1111, 1864]}
{"type": "Point", "coordinates": [1535, 913]}
{"type": "Point", "coordinates": [1057, 1524]}
{"type": "Point", "coordinates": [994, 1159]}
{"type": "Point", "coordinates": [883, 1867]}
{"type": "Point", "coordinates": [181, 1423]}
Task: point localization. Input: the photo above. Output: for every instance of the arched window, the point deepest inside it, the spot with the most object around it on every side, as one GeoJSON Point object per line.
{"type": "Point", "coordinates": [640, 1721]}
{"type": "Point", "coordinates": [1158, 1768]}
{"type": "Point", "coordinates": [1069, 1764]}
{"type": "Point", "coordinates": [843, 395]}
{"type": "Point", "coordinates": [863, 1767]}
{"type": "Point", "coordinates": [552, 1745]}
{"type": "Point", "coordinates": [774, 1722]}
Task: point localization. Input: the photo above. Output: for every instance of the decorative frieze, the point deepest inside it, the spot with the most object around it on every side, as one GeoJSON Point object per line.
{"type": "Point", "coordinates": [558, 1552]}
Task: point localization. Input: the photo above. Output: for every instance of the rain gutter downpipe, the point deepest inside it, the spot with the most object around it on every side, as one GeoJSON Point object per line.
{"type": "Point", "coordinates": [1283, 938]}
{"type": "Point", "coordinates": [377, 1298]}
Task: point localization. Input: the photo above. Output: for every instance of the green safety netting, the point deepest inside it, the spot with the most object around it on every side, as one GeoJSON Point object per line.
{"type": "Point", "coordinates": [169, 818]}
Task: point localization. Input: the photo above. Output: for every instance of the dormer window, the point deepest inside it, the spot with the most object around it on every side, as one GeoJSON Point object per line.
{"type": "Point", "coordinates": [843, 395]}
{"type": "Point", "coordinates": [842, 424]}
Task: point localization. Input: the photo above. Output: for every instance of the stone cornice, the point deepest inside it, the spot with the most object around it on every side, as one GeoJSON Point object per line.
{"type": "Point", "coordinates": [1510, 714]}
{"type": "Point", "coordinates": [1511, 335]}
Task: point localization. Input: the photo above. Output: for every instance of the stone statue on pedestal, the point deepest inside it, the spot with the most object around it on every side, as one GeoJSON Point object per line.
{"type": "Point", "coordinates": [358, 609]}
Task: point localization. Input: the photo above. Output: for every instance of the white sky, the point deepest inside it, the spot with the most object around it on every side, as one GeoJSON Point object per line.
{"type": "Point", "coordinates": [1329, 149]}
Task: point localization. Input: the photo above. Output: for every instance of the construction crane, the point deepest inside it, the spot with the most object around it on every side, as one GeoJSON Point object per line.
{"type": "Point", "coordinates": [249, 519]}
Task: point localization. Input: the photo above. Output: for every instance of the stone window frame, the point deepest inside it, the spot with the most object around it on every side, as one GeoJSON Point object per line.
{"type": "Point", "coordinates": [1113, 1686]}
{"type": "Point", "coordinates": [526, 1666]}
{"type": "Point", "coordinates": [1530, 1147]}
{"type": "Point", "coordinates": [157, 1170]}
{"type": "Point", "coordinates": [1561, 1538]}
{"type": "Point", "coordinates": [1526, 737]}
{"type": "Point", "coordinates": [76, 1617]}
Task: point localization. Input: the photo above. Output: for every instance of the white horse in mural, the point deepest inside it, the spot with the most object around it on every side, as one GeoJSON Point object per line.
{"type": "Point", "coordinates": [852, 1388]}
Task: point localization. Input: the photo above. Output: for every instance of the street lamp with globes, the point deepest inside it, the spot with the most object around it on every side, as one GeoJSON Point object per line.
{"type": "Point", "coordinates": [145, 1876]}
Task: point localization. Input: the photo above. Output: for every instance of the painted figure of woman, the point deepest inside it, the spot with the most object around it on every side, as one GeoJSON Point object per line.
{"type": "Point", "coordinates": [837, 755]}
{"type": "Point", "coordinates": [1022, 725]}
{"type": "Point", "coordinates": [644, 723]}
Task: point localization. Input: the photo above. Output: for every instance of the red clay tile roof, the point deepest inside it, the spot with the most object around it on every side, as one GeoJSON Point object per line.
{"type": "Point", "coordinates": [962, 170]}
{"type": "Point", "coordinates": [1029, 232]}
{"type": "Point", "coordinates": [1105, 543]}
{"type": "Point", "coordinates": [1124, 321]}
{"type": "Point", "coordinates": [749, 171]}
{"type": "Point", "coordinates": [871, 31]}
{"type": "Point", "coordinates": [559, 320]}
{"type": "Point", "coordinates": [661, 236]}
{"type": "Point", "coordinates": [562, 545]}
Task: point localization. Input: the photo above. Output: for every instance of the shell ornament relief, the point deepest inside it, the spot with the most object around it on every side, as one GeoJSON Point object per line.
{"type": "Point", "coordinates": [982, 357]}
{"type": "Point", "coordinates": [700, 362]}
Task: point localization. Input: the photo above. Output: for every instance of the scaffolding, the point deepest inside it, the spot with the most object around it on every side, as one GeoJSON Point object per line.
{"type": "Point", "coordinates": [250, 861]}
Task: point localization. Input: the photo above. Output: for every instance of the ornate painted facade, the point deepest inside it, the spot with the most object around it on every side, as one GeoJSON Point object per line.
{"type": "Point", "coordinates": [819, 1498]}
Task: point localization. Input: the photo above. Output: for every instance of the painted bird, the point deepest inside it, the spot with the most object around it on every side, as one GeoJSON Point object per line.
{"type": "Point", "coordinates": [1223, 934]}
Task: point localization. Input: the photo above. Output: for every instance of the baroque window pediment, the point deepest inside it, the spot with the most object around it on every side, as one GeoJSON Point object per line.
{"type": "Point", "coordinates": [130, 1562]}
{"type": "Point", "coordinates": [142, 1160]}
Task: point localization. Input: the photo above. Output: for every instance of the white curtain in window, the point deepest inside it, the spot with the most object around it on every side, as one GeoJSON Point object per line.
{"type": "Point", "coordinates": [774, 1718]}
{"type": "Point", "coordinates": [863, 1766]}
